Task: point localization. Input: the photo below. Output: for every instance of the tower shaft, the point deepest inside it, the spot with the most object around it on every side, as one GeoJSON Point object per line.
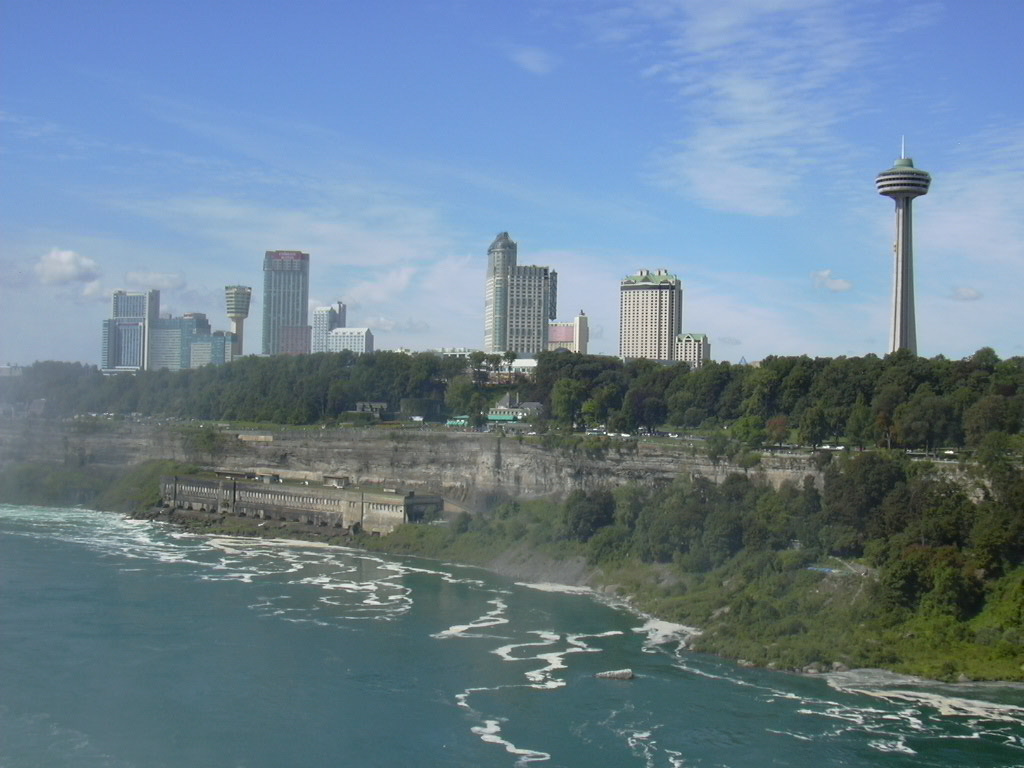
{"type": "Point", "coordinates": [904, 328]}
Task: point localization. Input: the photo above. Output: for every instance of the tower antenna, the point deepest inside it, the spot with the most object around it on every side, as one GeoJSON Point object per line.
{"type": "Point", "coordinates": [903, 147]}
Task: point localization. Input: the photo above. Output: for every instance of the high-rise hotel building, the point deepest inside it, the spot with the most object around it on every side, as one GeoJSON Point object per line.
{"type": "Point", "coordinates": [650, 315]}
{"type": "Point", "coordinates": [286, 328]}
{"type": "Point", "coordinates": [518, 302]}
{"type": "Point", "coordinates": [126, 335]}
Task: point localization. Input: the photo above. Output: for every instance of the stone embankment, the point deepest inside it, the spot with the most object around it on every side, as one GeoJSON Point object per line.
{"type": "Point", "coordinates": [466, 467]}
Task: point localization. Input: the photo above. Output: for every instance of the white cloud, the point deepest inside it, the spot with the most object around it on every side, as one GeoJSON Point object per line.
{"type": "Point", "coordinates": [824, 279]}
{"type": "Point", "coordinates": [60, 267]}
{"type": "Point", "coordinates": [346, 227]}
{"type": "Point", "coordinates": [965, 293]}
{"type": "Point", "coordinates": [533, 60]}
{"type": "Point", "coordinates": [94, 290]}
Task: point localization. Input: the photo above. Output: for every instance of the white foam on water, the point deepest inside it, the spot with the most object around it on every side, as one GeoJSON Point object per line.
{"type": "Point", "coordinates": [490, 733]}
{"type": "Point", "coordinates": [565, 589]}
{"type": "Point", "coordinates": [493, 618]}
{"type": "Point", "coordinates": [899, 745]}
{"type": "Point", "coordinates": [798, 736]}
{"type": "Point", "coordinates": [662, 632]}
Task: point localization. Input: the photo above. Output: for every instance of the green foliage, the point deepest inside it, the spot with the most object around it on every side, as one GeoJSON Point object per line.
{"type": "Point", "coordinates": [129, 489]}
{"type": "Point", "coordinates": [584, 513]}
{"type": "Point", "coordinates": [901, 401]}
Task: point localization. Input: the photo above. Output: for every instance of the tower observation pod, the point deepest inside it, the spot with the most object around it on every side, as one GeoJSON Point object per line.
{"type": "Point", "coordinates": [903, 182]}
{"type": "Point", "coordinates": [237, 298]}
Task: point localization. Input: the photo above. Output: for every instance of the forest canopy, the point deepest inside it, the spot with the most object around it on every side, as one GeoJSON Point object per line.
{"type": "Point", "coordinates": [898, 401]}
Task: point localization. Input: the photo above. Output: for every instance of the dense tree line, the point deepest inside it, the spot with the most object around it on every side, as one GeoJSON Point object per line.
{"type": "Point", "coordinates": [898, 401]}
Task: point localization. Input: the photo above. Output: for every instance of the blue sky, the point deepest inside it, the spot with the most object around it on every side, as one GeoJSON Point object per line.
{"type": "Point", "coordinates": [733, 142]}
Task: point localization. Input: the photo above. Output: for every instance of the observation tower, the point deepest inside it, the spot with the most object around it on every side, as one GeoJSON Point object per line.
{"type": "Point", "coordinates": [237, 297]}
{"type": "Point", "coordinates": [903, 182]}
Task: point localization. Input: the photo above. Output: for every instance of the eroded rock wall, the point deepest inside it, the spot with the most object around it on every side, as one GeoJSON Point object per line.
{"type": "Point", "coordinates": [466, 467]}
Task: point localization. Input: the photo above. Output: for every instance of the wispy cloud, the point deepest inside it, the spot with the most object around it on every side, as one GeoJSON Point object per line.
{"type": "Point", "coordinates": [163, 281]}
{"type": "Point", "coordinates": [533, 60]}
{"type": "Point", "coordinates": [761, 87]}
{"type": "Point", "coordinates": [345, 228]}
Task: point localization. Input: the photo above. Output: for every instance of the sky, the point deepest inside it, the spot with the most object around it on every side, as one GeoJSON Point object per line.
{"type": "Point", "coordinates": [733, 142]}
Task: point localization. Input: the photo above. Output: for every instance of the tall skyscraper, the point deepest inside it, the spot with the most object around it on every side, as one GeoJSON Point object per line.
{"type": "Point", "coordinates": [518, 302]}
{"type": "Point", "coordinates": [285, 303]}
{"type": "Point", "coordinates": [126, 335]}
{"type": "Point", "coordinates": [325, 320]}
{"type": "Point", "coordinates": [650, 315]}
{"type": "Point", "coordinates": [237, 298]}
{"type": "Point", "coordinates": [903, 182]}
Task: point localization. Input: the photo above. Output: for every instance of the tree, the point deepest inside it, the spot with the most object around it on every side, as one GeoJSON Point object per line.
{"type": "Point", "coordinates": [510, 357]}
{"type": "Point", "coordinates": [584, 513]}
{"type": "Point", "coordinates": [777, 429]}
{"type": "Point", "coordinates": [813, 426]}
{"type": "Point", "coordinates": [567, 401]}
{"type": "Point", "coordinates": [749, 431]}
{"type": "Point", "coordinates": [923, 421]}
{"type": "Point", "coordinates": [859, 427]}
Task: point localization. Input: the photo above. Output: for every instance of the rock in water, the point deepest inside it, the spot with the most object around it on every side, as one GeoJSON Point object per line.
{"type": "Point", "coordinates": [616, 674]}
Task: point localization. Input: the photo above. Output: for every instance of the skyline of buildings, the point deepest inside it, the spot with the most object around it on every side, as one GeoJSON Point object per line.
{"type": "Point", "coordinates": [138, 338]}
{"type": "Point", "coordinates": [286, 327]}
{"type": "Point", "coordinates": [520, 303]}
{"type": "Point", "coordinates": [903, 182]}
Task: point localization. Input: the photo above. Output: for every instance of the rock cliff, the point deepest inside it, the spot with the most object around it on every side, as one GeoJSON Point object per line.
{"type": "Point", "coordinates": [466, 467]}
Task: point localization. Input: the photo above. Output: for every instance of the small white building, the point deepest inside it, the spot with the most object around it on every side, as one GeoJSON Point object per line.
{"type": "Point", "coordinates": [358, 340]}
{"type": "Point", "coordinates": [692, 348]}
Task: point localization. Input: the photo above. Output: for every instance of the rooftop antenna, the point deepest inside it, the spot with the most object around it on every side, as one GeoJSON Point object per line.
{"type": "Point", "coordinates": [903, 147]}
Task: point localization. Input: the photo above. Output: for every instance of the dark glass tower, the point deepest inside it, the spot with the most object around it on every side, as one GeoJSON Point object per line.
{"type": "Point", "coordinates": [285, 303]}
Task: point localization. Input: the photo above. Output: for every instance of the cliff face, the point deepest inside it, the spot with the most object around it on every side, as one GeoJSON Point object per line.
{"type": "Point", "coordinates": [465, 467]}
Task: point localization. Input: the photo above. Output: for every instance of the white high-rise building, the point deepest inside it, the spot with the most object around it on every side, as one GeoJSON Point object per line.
{"type": "Point", "coordinates": [518, 302]}
{"type": "Point", "coordinates": [358, 340]}
{"type": "Point", "coordinates": [126, 335]}
{"type": "Point", "coordinates": [325, 320]}
{"type": "Point", "coordinates": [650, 315]}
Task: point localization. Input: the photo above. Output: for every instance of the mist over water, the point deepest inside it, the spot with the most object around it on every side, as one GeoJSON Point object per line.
{"type": "Point", "coordinates": [132, 644]}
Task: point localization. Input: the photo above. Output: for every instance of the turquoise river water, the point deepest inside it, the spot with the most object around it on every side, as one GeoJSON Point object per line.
{"type": "Point", "coordinates": [133, 644]}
